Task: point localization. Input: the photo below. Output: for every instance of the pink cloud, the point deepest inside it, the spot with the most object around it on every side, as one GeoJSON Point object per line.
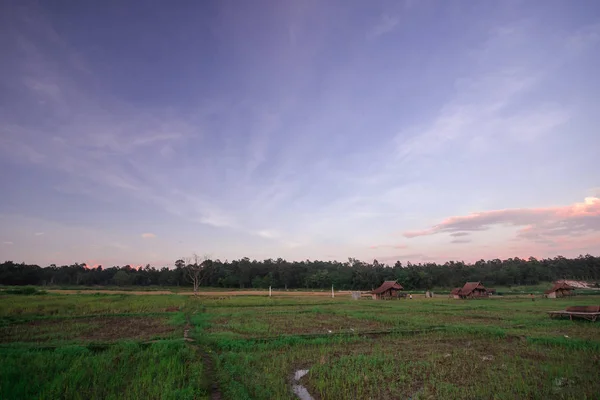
{"type": "Point", "coordinates": [388, 246]}
{"type": "Point", "coordinates": [538, 224]}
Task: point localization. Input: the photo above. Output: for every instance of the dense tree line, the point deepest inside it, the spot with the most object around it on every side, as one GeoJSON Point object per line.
{"type": "Point", "coordinates": [353, 274]}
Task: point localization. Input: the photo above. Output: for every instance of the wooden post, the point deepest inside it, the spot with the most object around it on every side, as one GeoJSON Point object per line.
{"type": "Point", "coordinates": [269, 291]}
{"type": "Point", "coordinates": [332, 295]}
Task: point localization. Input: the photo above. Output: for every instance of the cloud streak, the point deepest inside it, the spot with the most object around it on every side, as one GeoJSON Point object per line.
{"type": "Point", "coordinates": [459, 234]}
{"type": "Point", "coordinates": [386, 24]}
{"type": "Point", "coordinates": [460, 241]}
{"type": "Point", "coordinates": [388, 246]}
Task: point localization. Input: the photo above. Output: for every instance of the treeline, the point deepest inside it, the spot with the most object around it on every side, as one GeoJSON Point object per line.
{"type": "Point", "coordinates": [353, 274]}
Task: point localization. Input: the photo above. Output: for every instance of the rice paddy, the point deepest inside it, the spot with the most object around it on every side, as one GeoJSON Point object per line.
{"type": "Point", "coordinates": [103, 346]}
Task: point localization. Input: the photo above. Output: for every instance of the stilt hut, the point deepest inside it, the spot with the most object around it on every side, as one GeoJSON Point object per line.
{"type": "Point", "coordinates": [560, 289]}
{"type": "Point", "coordinates": [388, 290]}
{"type": "Point", "coordinates": [471, 290]}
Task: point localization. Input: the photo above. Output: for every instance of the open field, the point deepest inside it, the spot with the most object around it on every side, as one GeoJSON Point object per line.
{"type": "Point", "coordinates": [92, 346]}
{"type": "Point", "coordinates": [277, 293]}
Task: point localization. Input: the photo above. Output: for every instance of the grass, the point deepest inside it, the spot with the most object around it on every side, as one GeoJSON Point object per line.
{"type": "Point", "coordinates": [74, 305]}
{"type": "Point", "coordinates": [428, 366]}
{"type": "Point", "coordinates": [92, 329]}
{"type": "Point", "coordinates": [501, 348]}
{"type": "Point", "coordinates": [163, 370]}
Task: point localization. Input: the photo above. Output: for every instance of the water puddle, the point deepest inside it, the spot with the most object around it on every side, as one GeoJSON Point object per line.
{"type": "Point", "coordinates": [186, 335]}
{"type": "Point", "coordinates": [299, 374]}
{"type": "Point", "coordinates": [299, 390]}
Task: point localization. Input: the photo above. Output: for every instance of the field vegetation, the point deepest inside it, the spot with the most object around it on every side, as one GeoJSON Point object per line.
{"type": "Point", "coordinates": [101, 346]}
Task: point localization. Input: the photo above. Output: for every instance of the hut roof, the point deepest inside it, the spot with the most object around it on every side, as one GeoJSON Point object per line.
{"type": "Point", "coordinates": [470, 287]}
{"type": "Point", "coordinates": [455, 291]}
{"type": "Point", "coordinates": [560, 286]}
{"type": "Point", "coordinates": [387, 285]}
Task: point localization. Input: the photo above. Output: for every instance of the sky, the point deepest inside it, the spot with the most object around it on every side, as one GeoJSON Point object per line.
{"type": "Point", "coordinates": [142, 132]}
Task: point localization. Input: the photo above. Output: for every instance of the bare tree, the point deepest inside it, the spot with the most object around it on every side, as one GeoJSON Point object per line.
{"type": "Point", "coordinates": [195, 270]}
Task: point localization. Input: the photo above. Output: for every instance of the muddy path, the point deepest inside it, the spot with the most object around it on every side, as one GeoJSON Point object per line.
{"type": "Point", "coordinates": [208, 362]}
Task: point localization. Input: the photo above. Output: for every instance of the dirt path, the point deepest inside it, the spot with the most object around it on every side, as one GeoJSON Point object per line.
{"type": "Point", "coordinates": [209, 372]}
{"type": "Point", "coordinates": [207, 358]}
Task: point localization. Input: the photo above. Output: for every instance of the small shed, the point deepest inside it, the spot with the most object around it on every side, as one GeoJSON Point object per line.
{"type": "Point", "coordinates": [471, 290]}
{"type": "Point", "coordinates": [388, 290]}
{"type": "Point", "coordinates": [560, 289]}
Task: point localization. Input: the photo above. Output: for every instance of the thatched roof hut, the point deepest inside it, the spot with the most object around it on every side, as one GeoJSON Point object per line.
{"type": "Point", "coordinates": [560, 289]}
{"type": "Point", "coordinates": [388, 289]}
{"type": "Point", "coordinates": [469, 290]}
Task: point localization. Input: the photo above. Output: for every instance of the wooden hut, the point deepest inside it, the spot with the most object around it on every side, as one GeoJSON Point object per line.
{"type": "Point", "coordinates": [470, 290]}
{"type": "Point", "coordinates": [560, 289]}
{"type": "Point", "coordinates": [388, 290]}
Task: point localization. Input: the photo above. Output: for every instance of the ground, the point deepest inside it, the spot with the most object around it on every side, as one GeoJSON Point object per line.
{"type": "Point", "coordinates": [238, 346]}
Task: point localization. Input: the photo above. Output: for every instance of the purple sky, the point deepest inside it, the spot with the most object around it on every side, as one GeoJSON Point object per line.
{"type": "Point", "coordinates": [139, 132]}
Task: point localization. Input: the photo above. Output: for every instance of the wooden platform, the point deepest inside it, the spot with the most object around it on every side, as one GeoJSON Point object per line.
{"type": "Point", "coordinates": [590, 316]}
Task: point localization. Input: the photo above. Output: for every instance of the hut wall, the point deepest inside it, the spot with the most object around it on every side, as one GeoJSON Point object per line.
{"type": "Point", "coordinates": [563, 293]}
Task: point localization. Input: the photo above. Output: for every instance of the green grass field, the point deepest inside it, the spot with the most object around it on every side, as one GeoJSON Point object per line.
{"type": "Point", "coordinates": [99, 346]}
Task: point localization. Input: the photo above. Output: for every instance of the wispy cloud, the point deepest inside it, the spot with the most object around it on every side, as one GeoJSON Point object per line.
{"type": "Point", "coordinates": [386, 24]}
{"type": "Point", "coordinates": [388, 246]}
{"type": "Point", "coordinates": [484, 117]}
{"type": "Point", "coordinates": [39, 233]}
{"type": "Point", "coordinates": [97, 137]}
{"type": "Point", "coordinates": [584, 37]}
{"type": "Point", "coordinates": [8, 243]}
{"type": "Point", "coordinates": [268, 234]}
{"type": "Point", "coordinates": [148, 235]}
{"type": "Point", "coordinates": [483, 111]}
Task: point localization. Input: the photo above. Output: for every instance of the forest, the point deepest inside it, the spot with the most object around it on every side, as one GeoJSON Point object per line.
{"type": "Point", "coordinates": [352, 274]}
